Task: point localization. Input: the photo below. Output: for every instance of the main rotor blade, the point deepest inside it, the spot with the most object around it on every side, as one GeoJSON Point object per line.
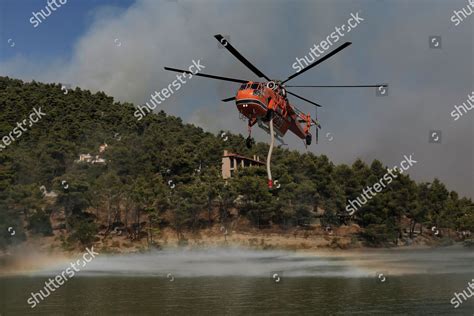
{"type": "Point", "coordinates": [242, 59]}
{"type": "Point", "coordinates": [334, 52]}
{"type": "Point", "coordinates": [358, 86]}
{"type": "Point", "coordinates": [228, 99]}
{"type": "Point", "coordinates": [205, 75]}
{"type": "Point", "coordinates": [299, 97]}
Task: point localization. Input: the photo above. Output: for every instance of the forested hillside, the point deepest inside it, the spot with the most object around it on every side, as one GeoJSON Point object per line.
{"type": "Point", "coordinates": [160, 172]}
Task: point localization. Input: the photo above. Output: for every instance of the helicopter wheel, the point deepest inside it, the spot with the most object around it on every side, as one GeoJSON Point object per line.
{"type": "Point", "coordinates": [308, 139]}
{"type": "Point", "coordinates": [249, 142]}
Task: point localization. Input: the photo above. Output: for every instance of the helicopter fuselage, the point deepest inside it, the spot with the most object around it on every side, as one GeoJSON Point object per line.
{"type": "Point", "coordinates": [254, 100]}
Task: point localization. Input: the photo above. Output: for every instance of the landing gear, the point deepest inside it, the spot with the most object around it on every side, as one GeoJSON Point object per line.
{"type": "Point", "coordinates": [249, 142]}
{"type": "Point", "coordinates": [308, 139]}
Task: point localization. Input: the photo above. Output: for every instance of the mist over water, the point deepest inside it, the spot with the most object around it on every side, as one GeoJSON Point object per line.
{"type": "Point", "coordinates": [255, 263]}
{"type": "Point", "coordinates": [235, 281]}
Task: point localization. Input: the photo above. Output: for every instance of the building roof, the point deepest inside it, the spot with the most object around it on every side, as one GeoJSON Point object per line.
{"type": "Point", "coordinates": [228, 154]}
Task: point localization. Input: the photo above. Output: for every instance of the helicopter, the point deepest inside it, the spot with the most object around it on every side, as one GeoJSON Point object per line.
{"type": "Point", "coordinates": [266, 103]}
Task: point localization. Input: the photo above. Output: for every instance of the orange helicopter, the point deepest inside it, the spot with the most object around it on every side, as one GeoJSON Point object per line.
{"type": "Point", "coordinates": [266, 103]}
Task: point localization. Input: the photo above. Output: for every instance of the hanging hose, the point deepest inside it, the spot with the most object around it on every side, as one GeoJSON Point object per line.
{"type": "Point", "coordinates": [269, 156]}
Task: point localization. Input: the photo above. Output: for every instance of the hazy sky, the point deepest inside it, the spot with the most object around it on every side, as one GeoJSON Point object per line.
{"type": "Point", "coordinates": [121, 47]}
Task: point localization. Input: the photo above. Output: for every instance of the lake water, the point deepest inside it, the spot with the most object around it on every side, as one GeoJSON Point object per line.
{"type": "Point", "coordinates": [243, 282]}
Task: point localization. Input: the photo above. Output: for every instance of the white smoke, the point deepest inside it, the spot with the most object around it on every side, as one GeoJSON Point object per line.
{"type": "Point", "coordinates": [124, 51]}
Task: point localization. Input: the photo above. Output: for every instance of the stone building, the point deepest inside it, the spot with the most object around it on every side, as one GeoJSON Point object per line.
{"type": "Point", "coordinates": [232, 162]}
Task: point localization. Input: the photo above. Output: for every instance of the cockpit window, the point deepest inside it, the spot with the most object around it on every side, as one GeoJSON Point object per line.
{"type": "Point", "coordinates": [255, 86]}
{"type": "Point", "coordinates": [243, 86]}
